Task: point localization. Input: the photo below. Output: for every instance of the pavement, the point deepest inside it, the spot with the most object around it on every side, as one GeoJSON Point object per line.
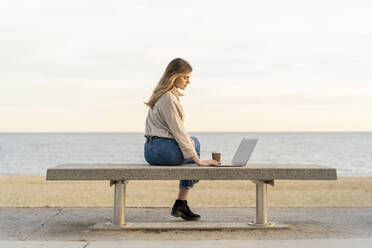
{"type": "Point", "coordinates": [73, 227]}
{"type": "Point", "coordinates": [309, 243]}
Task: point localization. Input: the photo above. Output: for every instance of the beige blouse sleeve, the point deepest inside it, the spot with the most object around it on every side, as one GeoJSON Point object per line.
{"type": "Point", "coordinates": [172, 116]}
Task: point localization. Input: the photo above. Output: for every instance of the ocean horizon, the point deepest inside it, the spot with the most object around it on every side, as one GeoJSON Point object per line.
{"type": "Point", "coordinates": [33, 152]}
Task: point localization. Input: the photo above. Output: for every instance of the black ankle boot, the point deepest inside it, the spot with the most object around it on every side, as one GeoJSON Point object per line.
{"type": "Point", "coordinates": [181, 209]}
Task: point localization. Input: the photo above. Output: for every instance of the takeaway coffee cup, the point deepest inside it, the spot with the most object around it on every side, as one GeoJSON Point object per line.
{"type": "Point", "coordinates": [216, 156]}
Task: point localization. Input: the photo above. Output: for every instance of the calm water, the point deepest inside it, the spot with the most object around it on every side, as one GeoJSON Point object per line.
{"type": "Point", "coordinates": [33, 153]}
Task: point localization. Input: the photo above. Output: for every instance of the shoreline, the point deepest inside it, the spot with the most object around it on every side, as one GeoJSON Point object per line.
{"type": "Point", "coordinates": [35, 191]}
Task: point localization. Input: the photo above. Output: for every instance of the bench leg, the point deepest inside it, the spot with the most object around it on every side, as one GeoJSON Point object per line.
{"type": "Point", "coordinates": [119, 203]}
{"type": "Point", "coordinates": [261, 203]}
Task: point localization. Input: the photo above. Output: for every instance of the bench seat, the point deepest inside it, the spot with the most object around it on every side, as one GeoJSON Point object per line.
{"type": "Point", "coordinates": [190, 171]}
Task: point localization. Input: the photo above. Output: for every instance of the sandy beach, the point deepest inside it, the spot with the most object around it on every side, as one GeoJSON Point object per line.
{"type": "Point", "coordinates": [35, 191]}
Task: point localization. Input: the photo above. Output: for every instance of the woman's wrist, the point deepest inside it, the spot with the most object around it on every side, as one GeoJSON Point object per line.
{"type": "Point", "coordinates": [196, 159]}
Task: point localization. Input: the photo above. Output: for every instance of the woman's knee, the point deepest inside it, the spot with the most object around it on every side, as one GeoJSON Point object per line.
{"type": "Point", "coordinates": [196, 140]}
{"type": "Point", "coordinates": [197, 144]}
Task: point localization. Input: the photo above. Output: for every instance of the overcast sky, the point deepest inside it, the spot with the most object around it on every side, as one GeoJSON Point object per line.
{"type": "Point", "coordinates": [86, 66]}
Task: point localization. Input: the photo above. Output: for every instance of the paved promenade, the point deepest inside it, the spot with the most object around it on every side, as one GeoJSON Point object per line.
{"type": "Point", "coordinates": [304, 243]}
{"type": "Point", "coordinates": [72, 227]}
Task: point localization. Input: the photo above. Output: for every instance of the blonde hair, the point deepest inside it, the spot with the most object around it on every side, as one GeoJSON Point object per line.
{"type": "Point", "coordinates": [176, 68]}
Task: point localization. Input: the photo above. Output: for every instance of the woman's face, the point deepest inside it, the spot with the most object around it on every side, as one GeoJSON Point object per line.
{"type": "Point", "coordinates": [183, 81]}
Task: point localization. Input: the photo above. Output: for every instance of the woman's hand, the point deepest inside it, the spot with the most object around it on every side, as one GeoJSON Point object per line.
{"type": "Point", "coordinates": [208, 163]}
{"type": "Point", "coordinates": [205, 162]}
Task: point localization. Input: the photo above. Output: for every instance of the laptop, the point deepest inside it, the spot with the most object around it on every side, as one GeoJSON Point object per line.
{"type": "Point", "coordinates": [243, 153]}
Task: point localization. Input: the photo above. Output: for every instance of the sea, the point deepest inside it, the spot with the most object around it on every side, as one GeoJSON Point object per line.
{"type": "Point", "coordinates": [33, 153]}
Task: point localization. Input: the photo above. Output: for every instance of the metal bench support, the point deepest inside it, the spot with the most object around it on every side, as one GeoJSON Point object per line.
{"type": "Point", "coordinates": [119, 203]}
{"type": "Point", "coordinates": [261, 223]}
{"type": "Point", "coordinates": [261, 203]}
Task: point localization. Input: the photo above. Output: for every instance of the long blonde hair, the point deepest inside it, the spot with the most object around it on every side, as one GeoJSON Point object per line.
{"type": "Point", "coordinates": [176, 68]}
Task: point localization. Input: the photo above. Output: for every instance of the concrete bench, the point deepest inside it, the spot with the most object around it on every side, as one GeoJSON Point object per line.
{"type": "Point", "coordinates": [260, 174]}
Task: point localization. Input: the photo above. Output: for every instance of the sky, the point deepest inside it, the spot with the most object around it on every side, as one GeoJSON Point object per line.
{"type": "Point", "coordinates": [258, 66]}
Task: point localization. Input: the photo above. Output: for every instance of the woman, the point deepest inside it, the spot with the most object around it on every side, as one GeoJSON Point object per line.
{"type": "Point", "coordinates": [167, 140]}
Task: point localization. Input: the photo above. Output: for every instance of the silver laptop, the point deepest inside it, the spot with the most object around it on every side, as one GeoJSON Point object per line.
{"type": "Point", "coordinates": [243, 153]}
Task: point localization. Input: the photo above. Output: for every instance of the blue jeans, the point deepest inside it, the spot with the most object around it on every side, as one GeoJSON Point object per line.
{"type": "Point", "coordinates": [161, 151]}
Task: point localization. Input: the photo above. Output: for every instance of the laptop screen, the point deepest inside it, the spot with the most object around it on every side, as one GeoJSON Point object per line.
{"type": "Point", "coordinates": [244, 151]}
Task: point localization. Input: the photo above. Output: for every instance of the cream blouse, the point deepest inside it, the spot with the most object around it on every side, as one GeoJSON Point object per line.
{"type": "Point", "coordinates": [165, 119]}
